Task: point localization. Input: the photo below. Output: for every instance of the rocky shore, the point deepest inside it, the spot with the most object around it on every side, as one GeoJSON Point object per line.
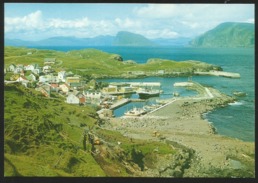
{"type": "Point", "coordinates": [204, 153]}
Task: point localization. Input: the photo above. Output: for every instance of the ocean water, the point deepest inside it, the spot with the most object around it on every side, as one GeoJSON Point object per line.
{"type": "Point", "coordinates": [237, 120]}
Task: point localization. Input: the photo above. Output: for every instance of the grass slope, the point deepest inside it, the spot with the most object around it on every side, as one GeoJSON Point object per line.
{"type": "Point", "coordinates": [43, 137]}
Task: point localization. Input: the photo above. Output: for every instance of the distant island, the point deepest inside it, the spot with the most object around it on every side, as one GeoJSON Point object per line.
{"type": "Point", "coordinates": [227, 34]}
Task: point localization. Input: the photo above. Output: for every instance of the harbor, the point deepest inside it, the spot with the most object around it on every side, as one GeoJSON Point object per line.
{"type": "Point", "coordinates": [152, 104]}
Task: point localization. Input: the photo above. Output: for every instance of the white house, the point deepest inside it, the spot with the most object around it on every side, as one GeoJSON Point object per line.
{"type": "Point", "coordinates": [72, 99]}
{"type": "Point", "coordinates": [47, 68]}
{"type": "Point", "coordinates": [19, 68]}
{"type": "Point", "coordinates": [47, 78]}
{"type": "Point", "coordinates": [12, 67]}
{"type": "Point", "coordinates": [37, 71]}
{"type": "Point", "coordinates": [61, 76]}
{"type": "Point", "coordinates": [64, 87]}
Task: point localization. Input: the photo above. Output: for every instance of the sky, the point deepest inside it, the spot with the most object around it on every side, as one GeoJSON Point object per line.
{"type": "Point", "coordinates": [37, 21]}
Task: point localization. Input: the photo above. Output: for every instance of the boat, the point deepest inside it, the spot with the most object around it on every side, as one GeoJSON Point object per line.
{"type": "Point", "coordinates": [144, 94]}
{"type": "Point", "coordinates": [135, 112]}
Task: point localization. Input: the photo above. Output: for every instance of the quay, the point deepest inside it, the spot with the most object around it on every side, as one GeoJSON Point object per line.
{"type": "Point", "coordinates": [120, 103]}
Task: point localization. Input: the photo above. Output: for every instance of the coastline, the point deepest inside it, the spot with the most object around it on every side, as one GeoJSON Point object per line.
{"type": "Point", "coordinates": [182, 123]}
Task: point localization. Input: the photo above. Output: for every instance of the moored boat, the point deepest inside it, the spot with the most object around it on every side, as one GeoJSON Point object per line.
{"type": "Point", "coordinates": [135, 112]}
{"type": "Point", "coordinates": [144, 94]}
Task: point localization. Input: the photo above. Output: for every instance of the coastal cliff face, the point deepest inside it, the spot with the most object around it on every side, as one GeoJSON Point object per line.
{"type": "Point", "coordinates": [227, 35]}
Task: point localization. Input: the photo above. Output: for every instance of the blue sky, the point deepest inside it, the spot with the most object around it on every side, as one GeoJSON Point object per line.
{"type": "Point", "coordinates": [36, 21]}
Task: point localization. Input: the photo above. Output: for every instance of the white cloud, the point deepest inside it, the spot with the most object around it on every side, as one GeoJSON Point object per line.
{"type": "Point", "coordinates": [128, 23]}
{"type": "Point", "coordinates": [60, 23]}
{"type": "Point", "coordinates": [150, 20]}
{"type": "Point", "coordinates": [29, 22]}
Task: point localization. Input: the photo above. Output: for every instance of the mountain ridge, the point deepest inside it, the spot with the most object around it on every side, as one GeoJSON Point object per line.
{"type": "Point", "coordinates": [121, 39]}
{"type": "Point", "coordinates": [227, 34]}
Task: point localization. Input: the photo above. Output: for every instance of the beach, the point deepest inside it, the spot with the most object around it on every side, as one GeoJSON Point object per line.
{"type": "Point", "coordinates": [180, 122]}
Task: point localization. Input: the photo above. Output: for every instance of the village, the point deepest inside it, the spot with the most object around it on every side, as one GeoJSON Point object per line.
{"type": "Point", "coordinates": [74, 89]}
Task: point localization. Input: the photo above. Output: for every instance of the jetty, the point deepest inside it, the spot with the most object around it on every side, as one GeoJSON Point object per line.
{"type": "Point", "coordinates": [219, 73]}
{"type": "Point", "coordinates": [183, 84]}
{"type": "Point", "coordinates": [138, 84]}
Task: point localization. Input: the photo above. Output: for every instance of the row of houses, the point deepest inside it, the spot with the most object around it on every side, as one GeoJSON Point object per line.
{"type": "Point", "coordinates": [47, 81]}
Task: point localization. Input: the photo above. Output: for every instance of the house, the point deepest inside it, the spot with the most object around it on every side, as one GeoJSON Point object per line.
{"type": "Point", "coordinates": [75, 98]}
{"type": "Point", "coordinates": [72, 99]}
{"type": "Point", "coordinates": [72, 80]}
{"type": "Point", "coordinates": [31, 67]}
{"type": "Point", "coordinates": [45, 89]}
{"type": "Point", "coordinates": [64, 88]}
{"type": "Point", "coordinates": [54, 87]}
{"type": "Point", "coordinates": [23, 81]}
{"type": "Point", "coordinates": [37, 71]}
{"type": "Point", "coordinates": [11, 68]}
{"type": "Point", "coordinates": [47, 69]}
{"type": "Point", "coordinates": [61, 76]}
{"type": "Point", "coordinates": [19, 68]}
{"type": "Point", "coordinates": [49, 60]}
{"type": "Point", "coordinates": [48, 78]}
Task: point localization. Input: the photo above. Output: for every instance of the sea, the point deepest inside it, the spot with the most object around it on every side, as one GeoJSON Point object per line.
{"type": "Point", "coordinates": [237, 120]}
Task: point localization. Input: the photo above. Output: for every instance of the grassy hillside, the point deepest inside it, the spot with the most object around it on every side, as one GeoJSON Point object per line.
{"type": "Point", "coordinates": [38, 141]}
{"type": "Point", "coordinates": [97, 63]}
{"type": "Point", "coordinates": [44, 137]}
{"type": "Point", "coordinates": [227, 35]}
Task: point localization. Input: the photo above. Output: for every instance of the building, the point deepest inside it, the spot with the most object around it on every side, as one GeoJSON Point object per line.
{"type": "Point", "coordinates": [11, 68]}
{"type": "Point", "coordinates": [48, 78]}
{"type": "Point", "coordinates": [49, 60]}
{"type": "Point", "coordinates": [64, 88]}
{"type": "Point", "coordinates": [61, 76]}
{"type": "Point", "coordinates": [31, 67]}
{"type": "Point", "coordinates": [72, 80]}
{"type": "Point", "coordinates": [47, 69]}
{"type": "Point", "coordinates": [109, 89]}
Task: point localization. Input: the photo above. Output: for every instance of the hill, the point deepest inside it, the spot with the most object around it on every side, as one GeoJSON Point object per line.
{"type": "Point", "coordinates": [227, 34]}
{"type": "Point", "coordinates": [99, 64]}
